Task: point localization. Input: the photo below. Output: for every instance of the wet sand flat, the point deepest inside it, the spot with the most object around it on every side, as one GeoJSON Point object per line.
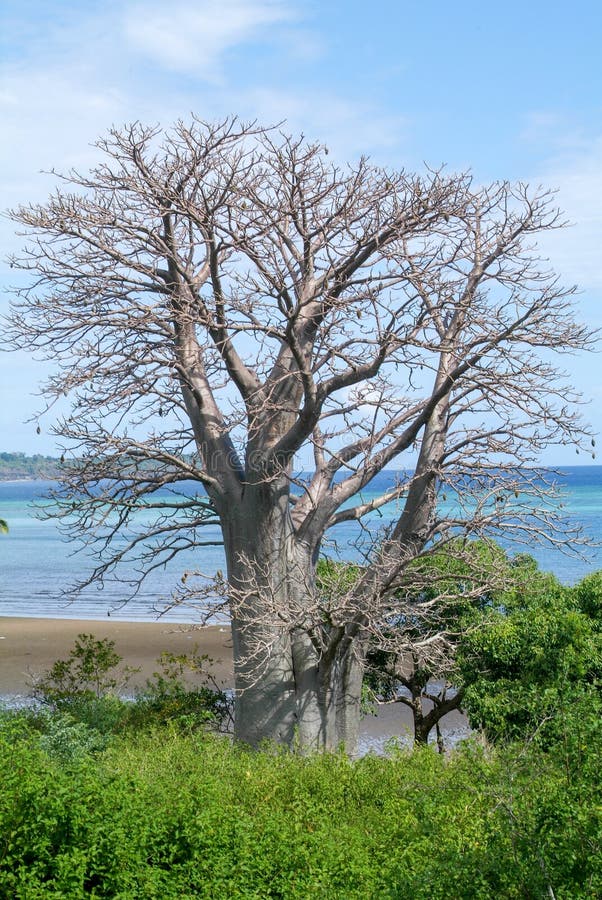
{"type": "Point", "coordinates": [29, 646]}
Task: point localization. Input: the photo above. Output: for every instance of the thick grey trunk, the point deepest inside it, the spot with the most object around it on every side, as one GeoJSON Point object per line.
{"type": "Point", "coordinates": [328, 693]}
{"type": "Point", "coordinates": [264, 575]}
{"type": "Point", "coordinates": [265, 697]}
{"type": "Point", "coordinates": [287, 691]}
{"type": "Point", "coordinates": [348, 678]}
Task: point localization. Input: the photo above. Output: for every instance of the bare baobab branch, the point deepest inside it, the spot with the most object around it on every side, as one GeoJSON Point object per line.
{"type": "Point", "coordinates": [222, 299]}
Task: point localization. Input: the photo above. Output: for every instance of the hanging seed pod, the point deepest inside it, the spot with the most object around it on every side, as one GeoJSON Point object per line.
{"type": "Point", "coordinates": [38, 430]}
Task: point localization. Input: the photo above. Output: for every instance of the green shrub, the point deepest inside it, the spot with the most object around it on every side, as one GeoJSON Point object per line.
{"type": "Point", "coordinates": [68, 740]}
{"type": "Point", "coordinates": [90, 671]}
{"type": "Point", "coordinates": [536, 653]}
{"type": "Point", "coordinates": [161, 814]}
{"type": "Point", "coordinates": [168, 697]}
{"type": "Point", "coordinates": [84, 686]}
{"type": "Point", "coordinates": [106, 798]}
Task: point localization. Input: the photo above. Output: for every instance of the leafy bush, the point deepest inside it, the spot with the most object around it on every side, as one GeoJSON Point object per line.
{"type": "Point", "coordinates": [163, 814]}
{"type": "Point", "coordinates": [68, 740]}
{"type": "Point", "coordinates": [111, 799]}
{"type": "Point", "coordinates": [90, 671]}
{"type": "Point", "coordinates": [537, 651]}
{"type": "Point", "coordinates": [169, 697]}
{"type": "Point", "coordinates": [84, 686]}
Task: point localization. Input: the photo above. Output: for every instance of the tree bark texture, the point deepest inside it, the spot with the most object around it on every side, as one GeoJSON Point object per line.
{"type": "Point", "coordinates": [288, 689]}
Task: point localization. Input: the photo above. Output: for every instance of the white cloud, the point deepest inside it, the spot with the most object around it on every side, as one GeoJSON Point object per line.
{"type": "Point", "coordinates": [49, 119]}
{"type": "Point", "coordinates": [67, 84]}
{"type": "Point", "coordinates": [576, 251]}
{"type": "Point", "coordinates": [56, 99]}
{"type": "Point", "coordinates": [193, 37]}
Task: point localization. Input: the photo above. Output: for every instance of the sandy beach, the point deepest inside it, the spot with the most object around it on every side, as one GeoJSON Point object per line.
{"type": "Point", "coordinates": [29, 646]}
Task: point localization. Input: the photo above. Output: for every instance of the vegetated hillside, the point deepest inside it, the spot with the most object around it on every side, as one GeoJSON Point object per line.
{"type": "Point", "coordinates": [17, 465]}
{"type": "Point", "coordinates": [14, 466]}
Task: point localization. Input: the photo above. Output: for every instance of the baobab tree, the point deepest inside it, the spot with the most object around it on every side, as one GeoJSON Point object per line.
{"type": "Point", "coordinates": [223, 299]}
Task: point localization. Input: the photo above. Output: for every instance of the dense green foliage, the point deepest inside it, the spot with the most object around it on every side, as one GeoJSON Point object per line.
{"type": "Point", "coordinates": [106, 798]}
{"type": "Point", "coordinates": [538, 650]}
{"type": "Point", "coordinates": [164, 814]}
{"type": "Point", "coordinates": [517, 651]}
{"type": "Point", "coordinates": [450, 592]}
{"type": "Point", "coordinates": [85, 690]}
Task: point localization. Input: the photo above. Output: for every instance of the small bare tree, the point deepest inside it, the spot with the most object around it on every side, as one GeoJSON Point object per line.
{"type": "Point", "coordinates": [415, 664]}
{"type": "Point", "coordinates": [222, 298]}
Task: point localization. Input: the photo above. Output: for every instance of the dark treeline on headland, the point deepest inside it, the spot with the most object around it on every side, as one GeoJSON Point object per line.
{"type": "Point", "coordinates": [20, 466]}
{"type": "Point", "coordinates": [15, 466]}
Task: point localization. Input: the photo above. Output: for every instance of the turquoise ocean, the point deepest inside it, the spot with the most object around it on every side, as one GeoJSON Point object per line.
{"type": "Point", "coordinates": [38, 564]}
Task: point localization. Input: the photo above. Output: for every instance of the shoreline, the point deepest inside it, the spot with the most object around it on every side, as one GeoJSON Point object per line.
{"type": "Point", "coordinates": [30, 645]}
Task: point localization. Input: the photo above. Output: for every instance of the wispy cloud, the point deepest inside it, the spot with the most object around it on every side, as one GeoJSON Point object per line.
{"type": "Point", "coordinates": [57, 96]}
{"type": "Point", "coordinates": [194, 37]}
{"type": "Point", "coordinates": [576, 174]}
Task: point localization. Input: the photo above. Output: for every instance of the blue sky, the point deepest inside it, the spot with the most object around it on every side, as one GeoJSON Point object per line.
{"type": "Point", "coordinates": [509, 90]}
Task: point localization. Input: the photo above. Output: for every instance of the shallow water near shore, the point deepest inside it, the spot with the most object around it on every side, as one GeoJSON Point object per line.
{"type": "Point", "coordinates": [38, 565]}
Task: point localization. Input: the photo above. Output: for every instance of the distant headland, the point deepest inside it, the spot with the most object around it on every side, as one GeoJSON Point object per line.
{"type": "Point", "coordinates": [20, 467]}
